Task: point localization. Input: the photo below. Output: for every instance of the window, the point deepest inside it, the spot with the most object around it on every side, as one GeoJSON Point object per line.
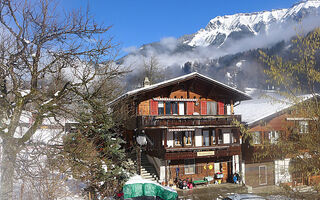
{"type": "Point", "coordinates": [303, 127]}
{"type": "Point", "coordinates": [256, 137]}
{"type": "Point", "coordinates": [262, 175]}
{"type": "Point", "coordinates": [189, 166]}
{"type": "Point", "coordinates": [273, 136]}
{"type": "Point", "coordinates": [217, 167]}
{"type": "Point", "coordinates": [171, 107]}
{"type": "Point", "coordinates": [213, 137]}
{"type": "Point", "coordinates": [168, 107]}
{"type": "Point", "coordinates": [160, 108]}
{"type": "Point", "coordinates": [181, 108]}
{"type": "Point", "coordinates": [205, 138]}
{"type": "Point", "coordinates": [220, 136]}
{"type": "Point", "coordinates": [211, 108]}
{"type": "Point", "coordinates": [227, 136]}
{"type": "Point", "coordinates": [188, 138]}
{"type": "Point", "coordinates": [174, 108]}
{"type": "Point", "coordinates": [177, 138]}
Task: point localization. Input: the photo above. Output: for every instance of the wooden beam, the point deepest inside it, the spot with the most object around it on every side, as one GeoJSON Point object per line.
{"type": "Point", "coordinates": [169, 90]}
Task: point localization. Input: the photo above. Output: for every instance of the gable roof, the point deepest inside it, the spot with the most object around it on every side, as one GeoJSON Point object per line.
{"type": "Point", "coordinates": [263, 108]}
{"type": "Point", "coordinates": [242, 95]}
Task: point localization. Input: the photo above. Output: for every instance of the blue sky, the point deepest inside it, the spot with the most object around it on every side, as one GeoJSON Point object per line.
{"type": "Point", "coordinates": [138, 22]}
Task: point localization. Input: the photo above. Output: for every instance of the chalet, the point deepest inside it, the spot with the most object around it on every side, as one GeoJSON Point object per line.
{"type": "Point", "coordinates": [188, 122]}
{"type": "Point", "coordinates": [267, 119]}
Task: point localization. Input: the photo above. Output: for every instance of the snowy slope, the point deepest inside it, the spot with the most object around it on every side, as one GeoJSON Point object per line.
{"type": "Point", "coordinates": [242, 25]}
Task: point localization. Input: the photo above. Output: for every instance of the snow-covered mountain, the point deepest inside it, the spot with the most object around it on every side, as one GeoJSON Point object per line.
{"type": "Point", "coordinates": [242, 25]}
{"type": "Point", "coordinates": [227, 48]}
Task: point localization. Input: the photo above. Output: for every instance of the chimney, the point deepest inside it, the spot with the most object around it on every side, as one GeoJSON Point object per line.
{"type": "Point", "coordinates": [146, 82]}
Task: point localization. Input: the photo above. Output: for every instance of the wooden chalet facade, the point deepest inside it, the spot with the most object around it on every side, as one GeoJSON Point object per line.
{"type": "Point", "coordinates": [189, 126]}
{"type": "Point", "coordinates": [266, 130]}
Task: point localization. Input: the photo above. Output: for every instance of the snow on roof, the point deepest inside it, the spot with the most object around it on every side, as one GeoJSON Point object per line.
{"type": "Point", "coordinates": [177, 79]}
{"type": "Point", "coordinates": [263, 105]}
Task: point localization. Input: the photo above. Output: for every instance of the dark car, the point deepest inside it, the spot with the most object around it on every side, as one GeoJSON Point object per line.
{"type": "Point", "coordinates": [244, 196]}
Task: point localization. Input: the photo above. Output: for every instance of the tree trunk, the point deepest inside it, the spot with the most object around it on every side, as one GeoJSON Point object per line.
{"type": "Point", "coordinates": [7, 169]}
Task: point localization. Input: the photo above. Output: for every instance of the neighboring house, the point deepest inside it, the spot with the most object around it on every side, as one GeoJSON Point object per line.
{"type": "Point", "coordinates": [267, 118]}
{"type": "Point", "coordinates": [189, 126]}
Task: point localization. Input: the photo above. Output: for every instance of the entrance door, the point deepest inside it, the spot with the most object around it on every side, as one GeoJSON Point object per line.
{"type": "Point", "coordinates": [263, 175]}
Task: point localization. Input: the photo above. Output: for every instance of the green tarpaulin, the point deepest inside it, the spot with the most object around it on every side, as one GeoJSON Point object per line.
{"type": "Point", "coordinates": [139, 187]}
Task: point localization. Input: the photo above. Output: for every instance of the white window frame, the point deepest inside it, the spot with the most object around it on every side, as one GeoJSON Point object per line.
{"type": "Point", "coordinates": [204, 138]}
{"type": "Point", "coordinates": [188, 166]}
{"type": "Point", "coordinates": [266, 171]}
{"type": "Point", "coordinates": [256, 137]}
{"type": "Point", "coordinates": [303, 127]}
{"type": "Point", "coordinates": [273, 136]}
{"type": "Point", "coordinates": [181, 108]}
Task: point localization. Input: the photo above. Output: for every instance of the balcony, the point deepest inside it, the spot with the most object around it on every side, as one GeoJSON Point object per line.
{"type": "Point", "coordinates": [165, 121]}
{"type": "Point", "coordinates": [173, 153]}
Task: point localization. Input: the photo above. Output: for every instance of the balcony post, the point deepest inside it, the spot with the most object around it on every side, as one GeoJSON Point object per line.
{"type": "Point", "coordinates": [165, 137]}
{"type": "Point", "coordinates": [231, 107]}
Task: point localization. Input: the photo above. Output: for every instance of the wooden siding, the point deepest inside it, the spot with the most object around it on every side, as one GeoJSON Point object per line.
{"type": "Point", "coordinates": [278, 123]}
{"type": "Point", "coordinates": [144, 108]}
{"type": "Point", "coordinates": [187, 90]}
{"type": "Point", "coordinates": [202, 169]}
{"type": "Point", "coordinates": [254, 179]}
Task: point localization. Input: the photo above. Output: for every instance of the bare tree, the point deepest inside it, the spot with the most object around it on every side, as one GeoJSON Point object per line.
{"type": "Point", "coordinates": [152, 70]}
{"type": "Point", "coordinates": [49, 62]}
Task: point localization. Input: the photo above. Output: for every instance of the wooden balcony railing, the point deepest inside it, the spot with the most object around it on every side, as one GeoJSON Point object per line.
{"type": "Point", "coordinates": [173, 153]}
{"type": "Point", "coordinates": [186, 120]}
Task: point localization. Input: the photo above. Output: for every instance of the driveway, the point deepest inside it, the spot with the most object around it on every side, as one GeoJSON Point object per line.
{"type": "Point", "coordinates": [214, 192]}
{"type": "Point", "coordinates": [211, 192]}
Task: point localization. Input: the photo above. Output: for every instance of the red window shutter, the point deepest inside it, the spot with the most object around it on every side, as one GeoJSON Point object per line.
{"type": "Point", "coordinates": [190, 108]}
{"type": "Point", "coordinates": [203, 107]}
{"type": "Point", "coordinates": [221, 108]}
{"type": "Point", "coordinates": [153, 107]}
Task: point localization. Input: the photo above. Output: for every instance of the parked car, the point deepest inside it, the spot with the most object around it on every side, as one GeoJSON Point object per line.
{"type": "Point", "coordinates": [244, 197]}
